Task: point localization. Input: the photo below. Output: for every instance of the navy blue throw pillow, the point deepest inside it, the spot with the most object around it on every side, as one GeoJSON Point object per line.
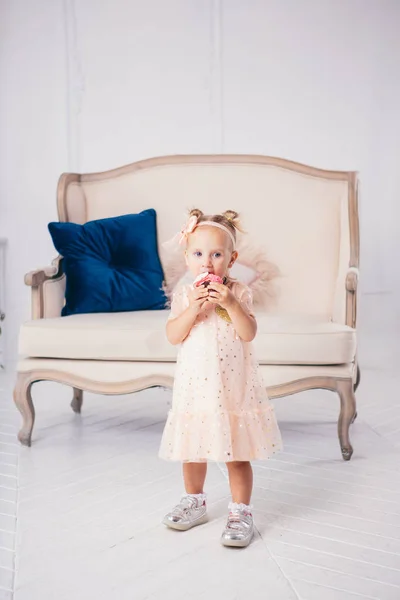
{"type": "Point", "coordinates": [111, 265]}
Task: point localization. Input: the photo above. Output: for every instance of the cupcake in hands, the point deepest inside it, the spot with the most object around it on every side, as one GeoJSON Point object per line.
{"type": "Point", "coordinates": [206, 278]}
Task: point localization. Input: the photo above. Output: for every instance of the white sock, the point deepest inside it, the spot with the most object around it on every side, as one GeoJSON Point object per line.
{"type": "Point", "coordinates": [235, 507]}
{"type": "Point", "coordinates": [201, 498]}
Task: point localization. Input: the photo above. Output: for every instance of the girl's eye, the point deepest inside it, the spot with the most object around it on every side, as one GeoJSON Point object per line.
{"type": "Point", "coordinates": [217, 254]}
{"type": "Point", "coordinates": [198, 253]}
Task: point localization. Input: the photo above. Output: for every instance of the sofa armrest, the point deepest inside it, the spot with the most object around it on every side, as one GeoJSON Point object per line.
{"type": "Point", "coordinates": [352, 276]}
{"type": "Point", "coordinates": [345, 300]}
{"type": "Point", "coordinates": [48, 288]}
{"type": "Point", "coordinates": [35, 278]}
{"type": "Point", "coordinates": [352, 279]}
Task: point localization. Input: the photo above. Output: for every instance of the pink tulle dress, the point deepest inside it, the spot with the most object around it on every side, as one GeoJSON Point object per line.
{"type": "Point", "coordinates": [220, 409]}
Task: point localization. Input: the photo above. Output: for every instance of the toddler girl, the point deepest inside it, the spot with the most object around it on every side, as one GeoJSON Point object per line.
{"type": "Point", "coordinates": [220, 409]}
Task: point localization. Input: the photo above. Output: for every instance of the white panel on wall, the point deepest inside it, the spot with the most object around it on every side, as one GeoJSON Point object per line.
{"type": "Point", "coordinates": [33, 145]}
{"type": "Point", "coordinates": [143, 79]}
{"type": "Point", "coordinates": [89, 87]}
{"type": "Point", "coordinates": [313, 81]}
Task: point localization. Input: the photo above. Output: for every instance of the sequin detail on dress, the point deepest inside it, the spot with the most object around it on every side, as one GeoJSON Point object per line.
{"type": "Point", "coordinates": [220, 408]}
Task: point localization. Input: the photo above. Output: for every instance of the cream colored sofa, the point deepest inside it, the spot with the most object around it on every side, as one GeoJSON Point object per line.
{"type": "Point", "coordinates": [304, 219]}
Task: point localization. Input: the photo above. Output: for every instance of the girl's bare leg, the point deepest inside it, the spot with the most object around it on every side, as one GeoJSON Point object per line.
{"type": "Point", "coordinates": [189, 512]}
{"type": "Point", "coordinates": [239, 528]}
{"type": "Point", "coordinates": [194, 475]}
{"type": "Point", "coordinates": [240, 481]}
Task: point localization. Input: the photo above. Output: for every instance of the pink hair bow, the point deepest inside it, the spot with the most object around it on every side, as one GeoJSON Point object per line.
{"type": "Point", "coordinates": [188, 228]}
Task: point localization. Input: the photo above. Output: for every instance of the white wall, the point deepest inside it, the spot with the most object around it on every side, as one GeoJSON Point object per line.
{"type": "Point", "coordinates": [33, 141]}
{"type": "Point", "coordinates": [91, 86]}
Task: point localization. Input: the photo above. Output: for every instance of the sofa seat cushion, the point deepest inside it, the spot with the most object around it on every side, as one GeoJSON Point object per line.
{"type": "Point", "coordinates": [140, 336]}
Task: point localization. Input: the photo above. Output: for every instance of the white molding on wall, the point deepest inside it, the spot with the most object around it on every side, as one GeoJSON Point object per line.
{"type": "Point", "coordinates": [75, 81]}
{"type": "Point", "coordinates": [75, 85]}
{"type": "Point", "coordinates": [216, 76]}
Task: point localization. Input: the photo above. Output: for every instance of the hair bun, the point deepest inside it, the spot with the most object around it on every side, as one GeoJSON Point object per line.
{"type": "Point", "coordinates": [231, 215]}
{"type": "Point", "coordinates": [196, 212]}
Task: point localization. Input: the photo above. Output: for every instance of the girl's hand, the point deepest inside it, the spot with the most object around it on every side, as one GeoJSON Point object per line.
{"type": "Point", "coordinates": [218, 293]}
{"type": "Point", "coordinates": [197, 298]}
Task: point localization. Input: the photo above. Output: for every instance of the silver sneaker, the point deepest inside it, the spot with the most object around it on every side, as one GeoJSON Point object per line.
{"type": "Point", "coordinates": [239, 529]}
{"type": "Point", "coordinates": [188, 513]}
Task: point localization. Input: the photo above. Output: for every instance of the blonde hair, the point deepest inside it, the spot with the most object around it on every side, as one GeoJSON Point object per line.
{"type": "Point", "coordinates": [229, 219]}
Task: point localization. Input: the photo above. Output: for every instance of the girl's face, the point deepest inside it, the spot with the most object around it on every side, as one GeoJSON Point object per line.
{"type": "Point", "coordinates": [209, 249]}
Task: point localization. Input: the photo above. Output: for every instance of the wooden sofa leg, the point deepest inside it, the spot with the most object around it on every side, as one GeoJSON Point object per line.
{"type": "Point", "coordinates": [23, 401]}
{"type": "Point", "coordinates": [347, 415]}
{"type": "Point", "coordinates": [358, 378]}
{"type": "Point", "coordinates": [77, 400]}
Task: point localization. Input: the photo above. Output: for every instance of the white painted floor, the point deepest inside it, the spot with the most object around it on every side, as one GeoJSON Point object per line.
{"type": "Point", "coordinates": [90, 493]}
